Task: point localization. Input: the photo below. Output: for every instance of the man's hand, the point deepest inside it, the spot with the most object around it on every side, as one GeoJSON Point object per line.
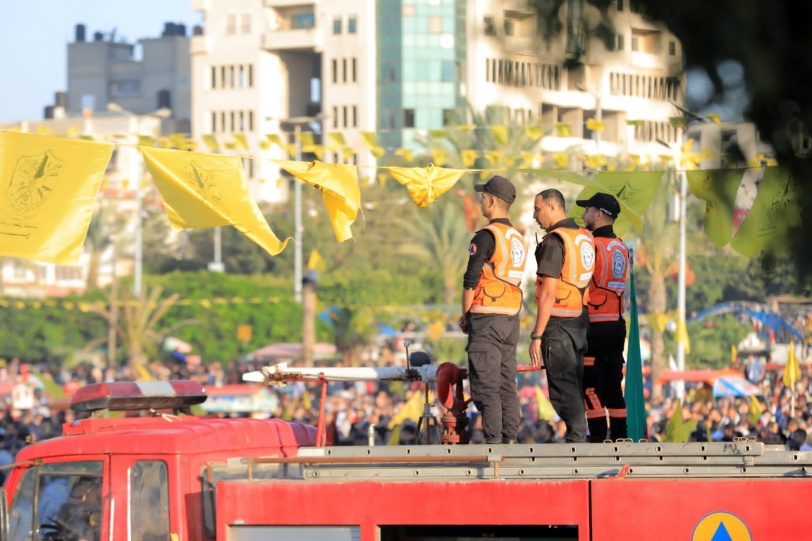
{"type": "Point", "coordinates": [463, 323]}
{"type": "Point", "coordinates": [535, 353]}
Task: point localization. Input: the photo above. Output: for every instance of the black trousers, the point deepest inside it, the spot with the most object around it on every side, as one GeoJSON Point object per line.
{"type": "Point", "coordinates": [492, 342]}
{"type": "Point", "coordinates": [603, 381]}
{"type": "Point", "coordinates": [563, 345]}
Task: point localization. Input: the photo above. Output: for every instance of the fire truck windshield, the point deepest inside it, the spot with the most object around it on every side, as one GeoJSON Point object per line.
{"type": "Point", "coordinates": [68, 503]}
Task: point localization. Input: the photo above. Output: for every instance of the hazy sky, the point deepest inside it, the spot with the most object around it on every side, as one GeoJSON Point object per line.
{"type": "Point", "coordinates": [34, 35]}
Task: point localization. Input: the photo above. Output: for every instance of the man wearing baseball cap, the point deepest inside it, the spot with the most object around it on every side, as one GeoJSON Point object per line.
{"type": "Point", "coordinates": [603, 361]}
{"type": "Point", "coordinates": [491, 301]}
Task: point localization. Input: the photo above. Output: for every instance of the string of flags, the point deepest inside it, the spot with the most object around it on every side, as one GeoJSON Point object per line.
{"type": "Point", "coordinates": [50, 185]}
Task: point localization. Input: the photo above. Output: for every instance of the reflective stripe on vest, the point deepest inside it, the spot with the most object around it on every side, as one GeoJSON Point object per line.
{"type": "Point", "coordinates": [609, 280]}
{"type": "Point", "coordinates": [579, 261]}
{"type": "Point", "coordinates": [498, 290]}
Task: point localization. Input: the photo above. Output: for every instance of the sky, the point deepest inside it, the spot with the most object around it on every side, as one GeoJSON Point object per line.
{"type": "Point", "coordinates": [34, 35]}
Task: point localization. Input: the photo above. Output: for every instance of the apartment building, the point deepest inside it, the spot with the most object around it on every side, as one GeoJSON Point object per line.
{"type": "Point", "coordinates": [401, 67]}
{"type": "Point", "coordinates": [140, 78]}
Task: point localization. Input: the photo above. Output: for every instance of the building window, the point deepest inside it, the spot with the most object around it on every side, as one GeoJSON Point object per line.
{"type": "Point", "coordinates": [619, 5]}
{"type": "Point", "coordinates": [352, 25]}
{"type": "Point", "coordinates": [490, 27]}
{"type": "Point", "coordinates": [620, 42]}
{"type": "Point", "coordinates": [344, 116]}
{"type": "Point", "coordinates": [302, 21]}
{"type": "Point", "coordinates": [635, 43]}
{"type": "Point", "coordinates": [448, 70]}
{"type": "Point", "coordinates": [634, 6]}
{"type": "Point", "coordinates": [354, 116]}
{"type": "Point", "coordinates": [335, 70]}
{"type": "Point", "coordinates": [231, 77]}
{"type": "Point", "coordinates": [233, 121]}
{"type": "Point", "coordinates": [245, 23]}
{"type": "Point", "coordinates": [242, 121]}
{"type": "Point", "coordinates": [250, 75]}
{"type": "Point", "coordinates": [672, 48]}
{"type": "Point", "coordinates": [222, 76]}
{"type": "Point", "coordinates": [231, 25]}
{"type": "Point", "coordinates": [354, 70]}
{"type": "Point", "coordinates": [335, 117]}
{"type": "Point", "coordinates": [149, 500]}
{"type": "Point", "coordinates": [126, 88]}
{"type": "Point", "coordinates": [344, 70]}
{"type": "Point", "coordinates": [408, 118]}
{"type": "Point", "coordinates": [213, 122]}
{"type": "Point", "coordinates": [435, 24]}
{"type": "Point", "coordinates": [337, 26]}
{"type": "Point", "coordinates": [213, 77]}
{"type": "Point", "coordinates": [509, 27]}
{"type": "Point", "coordinates": [242, 76]}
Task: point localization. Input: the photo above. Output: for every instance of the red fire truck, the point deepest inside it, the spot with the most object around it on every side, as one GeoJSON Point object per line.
{"type": "Point", "coordinates": [176, 477]}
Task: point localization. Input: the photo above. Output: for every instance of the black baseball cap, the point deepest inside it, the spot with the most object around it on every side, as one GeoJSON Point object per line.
{"type": "Point", "coordinates": [500, 187]}
{"type": "Point", "coordinates": [603, 202]}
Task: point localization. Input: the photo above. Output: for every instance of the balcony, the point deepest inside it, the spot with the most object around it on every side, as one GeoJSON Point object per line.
{"type": "Point", "coordinates": [304, 39]}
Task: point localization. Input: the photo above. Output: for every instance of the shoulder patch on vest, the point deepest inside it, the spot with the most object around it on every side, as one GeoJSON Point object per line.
{"type": "Point", "coordinates": [472, 249]}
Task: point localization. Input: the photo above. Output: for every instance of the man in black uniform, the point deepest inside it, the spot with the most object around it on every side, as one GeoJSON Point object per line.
{"type": "Point", "coordinates": [565, 257]}
{"type": "Point", "coordinates": [491, 301]}
{"type": "Point", "coordinates": [603, 362]}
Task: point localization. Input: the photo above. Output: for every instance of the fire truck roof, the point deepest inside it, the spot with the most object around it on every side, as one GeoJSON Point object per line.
{"type": "Point", "coordinates": [169, 434]}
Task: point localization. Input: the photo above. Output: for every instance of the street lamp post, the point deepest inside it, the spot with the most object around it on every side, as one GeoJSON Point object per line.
{"type": "Point", "coordinates": [598, 112]}
{"type": "Point", "coordinates": [681, 283]}
{"type": "Point", "coordinates": [298, 228]}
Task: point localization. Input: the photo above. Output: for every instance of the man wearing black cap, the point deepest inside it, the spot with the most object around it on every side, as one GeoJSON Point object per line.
{"type": "Point", "coordinates": [603, 362]}
{"type": "Point", "coordinates": [491, 301]}
{"type": "Point", "coordinates": [565, 257]}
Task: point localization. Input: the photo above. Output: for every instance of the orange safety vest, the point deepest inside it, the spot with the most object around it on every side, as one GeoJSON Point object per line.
{"type": "Point", "coordinates": [579, 260]}
{"type": "Point", "coordinates": [609, 280]}
{"type": "Point", "coordinates": [498, 290]}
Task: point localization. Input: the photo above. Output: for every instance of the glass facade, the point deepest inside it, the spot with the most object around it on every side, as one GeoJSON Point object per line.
{"type": "Point", "coordinates": [421, 54]}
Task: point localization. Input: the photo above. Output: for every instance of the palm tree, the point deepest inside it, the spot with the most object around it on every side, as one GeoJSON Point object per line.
{"type": "Point", "coordinates": [137, 324]}
{"type": "Point", "coordinates": [656, 253]}
{"type": "Point", "coordinates": [439, 236]}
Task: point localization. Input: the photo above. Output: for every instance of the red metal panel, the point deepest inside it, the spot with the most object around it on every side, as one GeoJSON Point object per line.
{"type": "Point", "coordinates": [665, 509]}
{"type": "Point", "coordinates": [371, 504]}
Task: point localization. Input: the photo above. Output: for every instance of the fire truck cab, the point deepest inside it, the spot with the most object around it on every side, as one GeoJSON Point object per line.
{"type": "Point", "coordinates": [136, 478]}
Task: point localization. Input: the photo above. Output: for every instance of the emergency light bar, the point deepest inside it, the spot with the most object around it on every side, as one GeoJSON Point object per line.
{"type": "Point", "coordinates": [138, 395]}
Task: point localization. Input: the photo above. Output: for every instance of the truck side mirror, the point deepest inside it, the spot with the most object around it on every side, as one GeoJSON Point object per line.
{"type": "Point", "coordinates": [3, 515]}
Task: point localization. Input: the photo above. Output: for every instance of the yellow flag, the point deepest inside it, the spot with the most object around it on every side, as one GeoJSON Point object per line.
{"type": "Point", "coordinates": [307, 401]}
{"type": "Point", "coordinates": [500, 133]}
{"type": "Point", "coordinates": [438, 156]}
{"type": "Point", "coordinates": [545, 407]}
{"type": "Point", "coordinates": [562, 129]}
{"type": "Point", "coordinates": [594, 125]}
{"type": "Point", "coordinates": [338, 184]}
{"type": "Point", "coordinates": [495, 157]}
{"type": "Point", "coordinates": [211, 142]}
{"type": "Point", "coordinates": [209, 190]}
{"type": "Point", "coordinates": [775, 211]}
{"type": "Point", "coordinates": [534, 133]}
{"type": "Point", "coordinates": [274, 139]}
{"type": "Point", "coordinates": [394, 437]}
{"type": "Point", "coordinates": [180, 142]}
{"type": "Point", "coordinates": [562, 159]}
{"type": "Point", "coordinates": [369, 138]}
{"type": "Point", "coordinates": [425, 184]}
{"type": "Point", "coordinates": [594, 161]}
{"type": "Point", "coordinates": [734, 353]}
{"type": "Point", "coordinates": [468, 157]}
{"type": "Point", "coordinates": [407, 154]}
{"type": "Point", "coordinates": [48, 186]}
{"type": "Point", "coordinates": [792, 370]}
{"type": "Point", "coordinates": [337, 138]}
{"type": "Point", "coordinates": [438, 134]}
{"type": "Point", "coordinates": [657, 321]}
{"type": "Point", "coordinates": [713, 117]}
{"type": "Point", "coordinates": [240, 141]}
{"type": "Point", "coordinates": [682, 334]}
{"type": "Point", "coordinates": [718, 189]}
{"type": "Point", "coordinates": [316, 262]}
{"type": "Point", "coordinates": [411, 410]}
{"type": "Point", "coordinates": [755, 410]}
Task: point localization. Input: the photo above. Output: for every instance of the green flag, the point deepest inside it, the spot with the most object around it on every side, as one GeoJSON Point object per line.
{"type": "Point", "coordinates": [776, 210]}
{"type": "Point", "coordinates": [718, 189]}
{"type": "Point", "coordinates": [635, 404]}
